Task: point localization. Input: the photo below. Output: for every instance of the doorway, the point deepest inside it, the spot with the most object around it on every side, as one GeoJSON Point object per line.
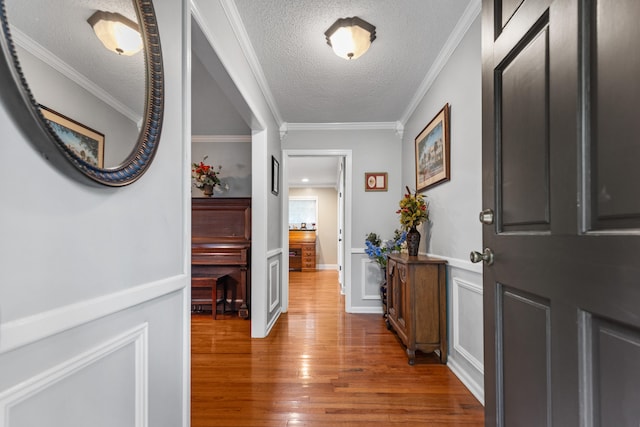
{"type": "Point", "coordinates": [341, 179]}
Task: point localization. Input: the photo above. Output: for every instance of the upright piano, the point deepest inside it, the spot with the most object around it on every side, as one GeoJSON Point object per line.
{"type": "Point", "coordinates": [221, 249]}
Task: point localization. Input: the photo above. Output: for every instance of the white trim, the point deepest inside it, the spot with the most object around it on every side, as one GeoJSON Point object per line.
{"type": "Point", "coordinates": [138, 336]}
{"type": "Point", "coordinates": [240, 32]}
{"type": "Point", "coordinates": [273, 321]}
{"type": "Point", "coordinates": [274, 302]}
{"type": "Point", "coordinates": [366, 310]}
{"type": "Point", "coordinates": [475, 388]}
{"type": "Point", "coordinates": [453, 262]}
{"type": "Point", "coordinates": [26, 330]}
{"type": "Point", "coordinates": [250, 97]}
{"type": "Point", "coordinates": [259, 236]}
{"type": "Point", "coordinates": [274, 252]}
{"type": "Point", "coordinates": [458, 283]}
{"type": "Point", "coordinates": [220, 138]}
{"type": "Point", "coordinates": [186, 211]}
{"type": "Point", "coordinates": [395, 126]}
{"type": "Point", "coordinates": [461, 28]}
{"type": "Point", "coordinates": [460, 263]}
{"type": "Point", "coordinates": [326, 266]}
{"type": "Point", "coordinates": [44, 55]}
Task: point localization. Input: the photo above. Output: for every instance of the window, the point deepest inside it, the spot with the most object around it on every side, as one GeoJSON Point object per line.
{"type": "Point", "coordinates": [303, 211]}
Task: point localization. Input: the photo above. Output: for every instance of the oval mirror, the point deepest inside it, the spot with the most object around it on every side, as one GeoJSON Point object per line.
{"type": "Point", "coordinates": [86, 83]}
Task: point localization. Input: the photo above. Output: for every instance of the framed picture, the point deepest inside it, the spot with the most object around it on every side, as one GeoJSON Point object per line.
{"type": "Point", "coordinates": [275, 176]}
{"type": "Point", "coordinates": [86, 143]}
{"type": "Point", "coordinates": [432, 152]}
{"type": "Point", "coordinates": [375, 181]}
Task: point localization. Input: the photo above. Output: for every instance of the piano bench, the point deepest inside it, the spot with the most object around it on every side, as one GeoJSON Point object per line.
{"type": "Point", "coordinates": [211, 284]}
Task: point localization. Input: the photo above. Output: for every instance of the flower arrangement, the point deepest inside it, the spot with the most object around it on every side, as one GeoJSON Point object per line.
{"type": "Point", "coordinates": [379, 250]}
{"type": "Point", "coordinates": [413, 210]}
{"type": "Point", "coordinates": [203, 174]}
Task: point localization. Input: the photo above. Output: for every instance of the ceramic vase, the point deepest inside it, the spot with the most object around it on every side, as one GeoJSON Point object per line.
{"type": "Point", "coordinates": [413, 241]}
{"type": "Point", "coordinates": [208, 190]}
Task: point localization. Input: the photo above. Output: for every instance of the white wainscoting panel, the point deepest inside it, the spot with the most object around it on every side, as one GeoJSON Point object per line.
{"type": "Point", "coordinates": [465, 324]}
{"type": "Point", "coordinates": [77, 393]}
{"type": "Point", "coordinates": [274, 284]}
{"type": "Point", "coordinates": [371, 279]}
{"type": "Point", "coordinates": [467, 303]}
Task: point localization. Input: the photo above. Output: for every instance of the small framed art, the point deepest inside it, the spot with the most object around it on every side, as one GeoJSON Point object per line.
{"type": "Point", "coordinates": [375, 181]}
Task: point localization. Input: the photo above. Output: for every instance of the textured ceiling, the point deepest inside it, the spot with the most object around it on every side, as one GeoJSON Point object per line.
{"type": "Point", "coordinates": [310, 84]}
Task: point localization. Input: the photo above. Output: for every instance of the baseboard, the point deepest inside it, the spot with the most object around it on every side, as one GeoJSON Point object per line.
{"type": "Point", "coordinates": [476, 389]}
{"type": "Point", "coordinates": [366, 310]}
{"type": "Point", "coordinates": [326, 266]}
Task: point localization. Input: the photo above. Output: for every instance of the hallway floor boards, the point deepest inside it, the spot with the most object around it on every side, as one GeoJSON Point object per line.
{"type": "Point", "coordinates": [319, 367]}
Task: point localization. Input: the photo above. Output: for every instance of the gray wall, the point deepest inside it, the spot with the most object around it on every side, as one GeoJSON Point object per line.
{"type": "Point", "coordinates": [454, 206]}
{"type": "Point", "coordinates": [60, 93]}
{"type": "Point", "coordinates": [91, 298]}
{"type": "Point", "coordinates": [235, 159]}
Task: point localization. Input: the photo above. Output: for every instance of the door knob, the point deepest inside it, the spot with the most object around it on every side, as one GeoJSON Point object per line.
{"type": "Point", "coordinates": [486, 256]}
{"type": "Point", "coordinates": [486, 216]}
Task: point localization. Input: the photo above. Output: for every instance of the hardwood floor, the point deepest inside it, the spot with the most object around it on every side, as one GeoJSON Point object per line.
{"type": "Point", "coordinates": [319, 367]}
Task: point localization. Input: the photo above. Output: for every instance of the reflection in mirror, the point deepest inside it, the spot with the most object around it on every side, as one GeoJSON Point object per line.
{"type": "Point", "coordinates": [98, 101]}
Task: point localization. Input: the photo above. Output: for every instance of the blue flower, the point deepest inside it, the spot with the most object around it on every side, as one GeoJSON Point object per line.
{"type": "Point", "coordinates": [379, 250]}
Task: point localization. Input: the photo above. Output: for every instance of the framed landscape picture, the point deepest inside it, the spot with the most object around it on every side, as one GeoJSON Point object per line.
{"type": "Point", "coordinates": [86, 143]}
{"type": "Point", "coordinates": [432, 152]}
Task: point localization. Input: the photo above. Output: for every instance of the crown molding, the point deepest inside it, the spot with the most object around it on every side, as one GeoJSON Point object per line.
{"type": "Point", "coordinates": [470, 14]}
{"type": "Point", "coordinates": [44, 55]}
{"type": "Point", "coordinates": [240, 32]}
{"type": "Point", "coordinates": [220, 138]}
{"type": "Point", "coordinates": [395, 126]}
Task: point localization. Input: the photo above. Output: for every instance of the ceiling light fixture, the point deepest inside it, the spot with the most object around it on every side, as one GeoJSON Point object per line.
{"type": "Point", "coordinates": [117, 33]}
{"type": "Point", "coordinates": [350, 38]}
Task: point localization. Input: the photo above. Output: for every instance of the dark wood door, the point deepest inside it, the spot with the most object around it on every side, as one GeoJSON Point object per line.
{"type": "Point", "coordinates": [561, 171]}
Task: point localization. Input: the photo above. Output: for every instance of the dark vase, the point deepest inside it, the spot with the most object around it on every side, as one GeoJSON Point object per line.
{"type": "Point", "coordinates": [383, 292]}
{"type": "Point", "coordinates": [413, 241]}
{"type": "Point", "coordinates": [208, 190]}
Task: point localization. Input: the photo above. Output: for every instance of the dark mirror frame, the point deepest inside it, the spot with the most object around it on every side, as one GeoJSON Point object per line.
{"type": "Point", "coordinates": [20, 103]}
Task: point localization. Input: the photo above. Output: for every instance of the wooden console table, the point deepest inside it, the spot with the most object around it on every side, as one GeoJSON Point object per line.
{"type": "Point", "coordinates": [417, 303]}
{"type": "Point", "coordinates": [302, 250]}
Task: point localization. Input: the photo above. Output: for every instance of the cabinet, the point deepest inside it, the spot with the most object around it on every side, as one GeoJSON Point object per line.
{"type": "Point", "coordinates": [302, 250]}
{"type": "Point", "coordinates": [417, 303]}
